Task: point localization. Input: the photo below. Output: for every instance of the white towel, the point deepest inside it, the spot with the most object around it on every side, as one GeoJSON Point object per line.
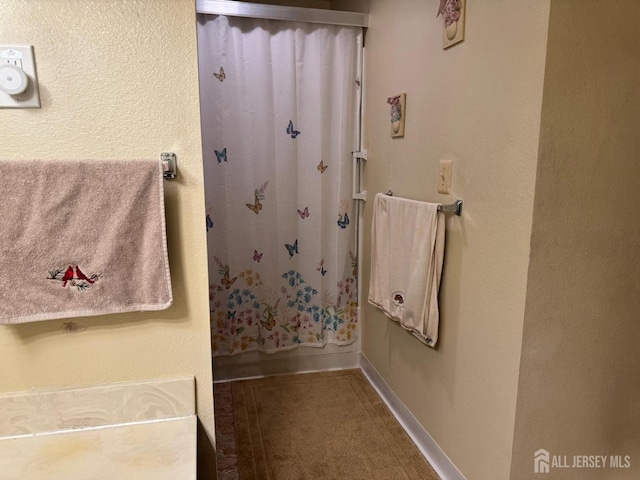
{"type": "Point", "coordinates": [407, 252]}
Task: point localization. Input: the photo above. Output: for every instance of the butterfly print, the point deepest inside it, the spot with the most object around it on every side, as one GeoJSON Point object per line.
{"type": "Point", "coordinates": [226, 281]}
{"type": "Point", "coordinates": [209, 223]}
{"type": "Point", "coordinates": [321, 268]}
{"type": "Point", "coordinates": [256, 207]}
{"type": "Point", "coordinates": [257, 256]}
{"type": "Point", "coordinates": [303, 213]}
{"type": "Point", "coordinates": [292, 248]}
{"type": "Point", "coordinates": [291, 131]}
{"type": "Point", "coordinates": [271, 321]}
{"type": "Point", "coordinates": [221, 155]}
{"type": "Point", "coordinates": [220, 76]}
{"type": "Point", "coordinates": [322, 167]}
{"type": "Point", "coordinates": [231, 315]}
{"type": "Point", "coordinates": [343, 222]}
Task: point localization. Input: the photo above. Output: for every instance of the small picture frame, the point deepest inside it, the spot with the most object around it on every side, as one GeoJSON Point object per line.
{"type": "Point", "coordinates": [397, 104]}
{"type": "Point", "coordinates": [453, 14]}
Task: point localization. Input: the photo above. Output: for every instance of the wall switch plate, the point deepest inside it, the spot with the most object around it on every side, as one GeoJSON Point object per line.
{"type": "Point", "coordinates": [20, 57]}
{"type": "Point", "coordinates": [444, 176]}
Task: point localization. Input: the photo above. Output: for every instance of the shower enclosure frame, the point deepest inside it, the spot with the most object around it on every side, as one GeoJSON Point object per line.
{"type": "Point", "coordinates": [320, 16]}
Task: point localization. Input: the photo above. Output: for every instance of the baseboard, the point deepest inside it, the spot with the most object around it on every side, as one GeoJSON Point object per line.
{"type": "Point", "coordinates": [286, 366]}
{"type": "Point", "coordinates": [425, 443]}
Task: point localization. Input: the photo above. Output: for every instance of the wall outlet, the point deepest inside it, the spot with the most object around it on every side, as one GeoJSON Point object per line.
{"type": "Point", "coordinates": [444, 176]}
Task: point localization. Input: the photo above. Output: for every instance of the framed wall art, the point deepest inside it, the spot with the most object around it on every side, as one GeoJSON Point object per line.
{"type": "Point", "coordinates": [398, 108]}
{"type": "Point", "coordinates": [453, 14]}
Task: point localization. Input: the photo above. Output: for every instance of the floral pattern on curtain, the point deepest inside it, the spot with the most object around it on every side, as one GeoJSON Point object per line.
{"type": "Point", "coordinates": [279, 103]}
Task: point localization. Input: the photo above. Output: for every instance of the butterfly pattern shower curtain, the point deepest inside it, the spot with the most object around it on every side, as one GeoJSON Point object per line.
{"type": "Point", "coordinates": [279, 104]}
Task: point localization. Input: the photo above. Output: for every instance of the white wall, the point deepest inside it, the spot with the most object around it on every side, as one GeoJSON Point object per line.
{"type": "Point", "coordinates": [118, 79]}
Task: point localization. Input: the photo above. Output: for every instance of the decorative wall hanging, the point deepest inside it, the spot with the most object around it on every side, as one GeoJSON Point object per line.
{"type": "Point", "coordinates": [452, 12]}
{"type": "Point", "coordinates": [398, 104]}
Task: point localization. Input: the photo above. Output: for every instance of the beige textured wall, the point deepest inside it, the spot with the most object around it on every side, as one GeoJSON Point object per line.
{"type": "Point", "coordinates": [118, 79]}
{"type": "Point", "coordinates": [580, 371]}
{"type": "Point", "coordinates": [478, 104]}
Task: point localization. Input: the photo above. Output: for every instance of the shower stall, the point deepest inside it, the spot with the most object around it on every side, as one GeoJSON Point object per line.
{"type": "Point", "coordinates": [281, 95]}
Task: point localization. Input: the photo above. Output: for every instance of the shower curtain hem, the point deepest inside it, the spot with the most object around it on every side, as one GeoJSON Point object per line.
{"type": "Point", "coordinates": [287, 348]}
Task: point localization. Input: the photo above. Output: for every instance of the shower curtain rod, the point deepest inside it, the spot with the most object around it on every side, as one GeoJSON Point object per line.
{"type": "Point", "coordinates": [276, 12]}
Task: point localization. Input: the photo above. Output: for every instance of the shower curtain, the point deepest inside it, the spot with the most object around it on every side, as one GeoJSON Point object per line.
{"type": "Point", "coordinates": [279, 103]}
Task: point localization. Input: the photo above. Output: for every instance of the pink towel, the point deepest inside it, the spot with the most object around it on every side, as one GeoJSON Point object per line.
{"type": "Point", "coordinates": [80, 238]}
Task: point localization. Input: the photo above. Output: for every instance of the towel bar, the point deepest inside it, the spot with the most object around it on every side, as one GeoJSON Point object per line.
{"type": "Point", "coordinates": [452, 208]}
{"type": "Point", "coordinates": [169, 165]}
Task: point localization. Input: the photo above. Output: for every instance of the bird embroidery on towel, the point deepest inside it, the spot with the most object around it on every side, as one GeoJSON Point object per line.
{"type": "Point", "coordinates": [74, 277]}
{"type": "Point", "coordinates": [68, 276]}
{"type": "Point", "coordinates": [82, 276]}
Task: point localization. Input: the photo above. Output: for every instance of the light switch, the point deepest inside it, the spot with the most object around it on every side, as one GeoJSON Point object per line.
{"type": "Point", "coordinates": [444, 176]}
{"type": "Point", "coordinates": [18, 78]}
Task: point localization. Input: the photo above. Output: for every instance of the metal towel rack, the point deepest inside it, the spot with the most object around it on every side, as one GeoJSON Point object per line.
{"type": "Point", "coordinates": [451, 208]}
{"type": "Point", "coordinates": [169, 165]}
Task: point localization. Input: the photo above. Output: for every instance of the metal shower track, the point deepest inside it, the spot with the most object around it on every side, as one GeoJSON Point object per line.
{"type": "Point", "coordinates": [277, 12]}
